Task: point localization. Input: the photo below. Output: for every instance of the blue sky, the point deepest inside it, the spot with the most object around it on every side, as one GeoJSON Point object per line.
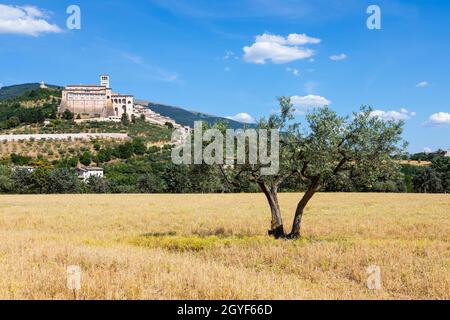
{"type": "Point", "coordinates": [235, 57]}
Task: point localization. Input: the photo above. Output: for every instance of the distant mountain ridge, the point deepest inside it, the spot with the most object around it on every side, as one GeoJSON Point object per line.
{"type": "Point", "coordinates": [187, 118]}
{"type": "Point", "coordinates": [180, 115]}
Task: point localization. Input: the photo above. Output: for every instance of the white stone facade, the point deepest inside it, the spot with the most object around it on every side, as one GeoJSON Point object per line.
{"type": "Point", "coordinates": [96, 101]}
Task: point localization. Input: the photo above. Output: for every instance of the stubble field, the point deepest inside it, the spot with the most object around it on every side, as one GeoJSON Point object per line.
{"type": "Point", "coordinates": [215, 247]}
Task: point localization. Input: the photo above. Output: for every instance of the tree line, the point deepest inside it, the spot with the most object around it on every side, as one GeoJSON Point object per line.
{"type": "Point", "coordinates": [132, 167]}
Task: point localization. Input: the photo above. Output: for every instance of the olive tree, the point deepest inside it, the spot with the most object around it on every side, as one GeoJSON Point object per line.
{"type": "Point", "coordinates": [362, 145]}
{"type": "Point", "coordinates": [328, 146]}
{"type": "Point", "coordinates": [238, 175]}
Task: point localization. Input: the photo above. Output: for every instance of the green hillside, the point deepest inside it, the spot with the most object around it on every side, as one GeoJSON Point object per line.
{"type": "Point", "coordinates": [31, 91]}
{"type": "Point", "coordinates": [10, 92]}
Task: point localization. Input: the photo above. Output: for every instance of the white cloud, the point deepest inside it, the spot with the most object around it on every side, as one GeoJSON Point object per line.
{"type": "Point", "coordinates": [294, 39]}
{"type": "Point", "coordinates": [242, 117]}
{"type": "Point", "coordinates": [305, 103]}
{"type": "Point", "coordinates": [25, 20]}
{"type": "Point", "coordinates": [338, 57]}
{"type": "Point", "coordinates": [440, 118]}
{"type": "Point", "coordinates": [294, 71]}
{"type": "Point", "coordinates": [422, 84]}
{"type": "Point", "coordinates": [427, 150]}
{"type": "Point", "coordinates": [261, 52]}
{"type": "Point", "coordinates": [301, 39]}
{"type": "Point", "coordinates": [279, 49]}
{"type": "Point", "coordinates": [402, 114]}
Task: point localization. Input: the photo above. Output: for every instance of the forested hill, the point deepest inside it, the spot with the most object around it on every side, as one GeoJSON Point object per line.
{"type": "Point", "coordinates": [17, 90]}
{"type": "Point", "coordinates": [180, 115]}
{"type": "Point", "coordinates": [187, 118]}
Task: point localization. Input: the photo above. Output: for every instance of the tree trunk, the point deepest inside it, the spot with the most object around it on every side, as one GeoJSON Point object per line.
{"type": "Point", "coordinates": [277, 229]}
{"type": "Point", "coordinates": [296, 226]}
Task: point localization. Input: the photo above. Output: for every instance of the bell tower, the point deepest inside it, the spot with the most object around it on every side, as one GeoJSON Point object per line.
{"type": "Point", "coordinates": [104, 80]}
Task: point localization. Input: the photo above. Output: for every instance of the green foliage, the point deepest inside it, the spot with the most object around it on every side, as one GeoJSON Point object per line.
{"type": "Point", "coordinates": [16, 110]}
{"type": "Point", "coordinates": [6, 184]}
{"type": "Point", "coordinates": [168, 125]}
{"type": "Point", "coordinates": [63, 180]}
{"type": "Point", "coordinates": [67, 115]}
{"type": "Point", "coordinates": [124, 119]}
{"type": "Point", "coordinates": [86, 158]}
{"type": "Point", "coordinates": [29, 91]}
{"type": "Point", "coordinates": [328, 152]}
{"type": "Point", "coordinates": [427, 156]}
{"type": "Point", "coordinates": [44, 180]}
{"type": "Point", "coordinates": [21, 181]}
{"type": "Point", "coordinates": [20, 160]}
{"type": "Point", "coordinates": [441, 165]}
{"type": "Point", "coordinates": [427, 180]}
{"type": "Point", "coordinates": [124, 151]}
{"type": "Point", "coordinates": [68, 162]}
{"type": "Point", "coordinates": [98, 185]}
{"type": "Point", "coordinates": [177, 179]}
{"type": "Point", "coordinates": [13, 115]}
{"type": "Point", "coordinates": [97, 146]}
{"type": "Point", "coordinates": [104, 155]}
{"type": "Point", "coordinates": [432, 179]}
{"type": "Point", "coordinates": [40, 181]}
{"type": "Point", "coordinates": [150, 183]}
{"type": "Point", "coordinates": [367, 146]}
{"type": "Point", "coordinates": [139, 147]}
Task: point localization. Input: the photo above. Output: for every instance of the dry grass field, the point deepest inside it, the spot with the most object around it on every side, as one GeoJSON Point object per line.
{"type": "Point", "coordinates": [215, 247]}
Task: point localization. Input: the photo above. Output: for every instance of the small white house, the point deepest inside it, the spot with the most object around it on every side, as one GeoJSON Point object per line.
{"type": "Point", "coordinates": [26, 169]}
{"type": "Point", "coordinates": [85, 173]}
{"type": "Point", "coordinates": [448, 154]}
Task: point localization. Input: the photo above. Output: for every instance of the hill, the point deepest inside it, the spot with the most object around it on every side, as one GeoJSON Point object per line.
{"type": "Point", "coordinates": [180, 115]}
{"type": "Point", "coordinates": [10, 92]}
{"type": "Point", "coordinates": [187, 118]}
